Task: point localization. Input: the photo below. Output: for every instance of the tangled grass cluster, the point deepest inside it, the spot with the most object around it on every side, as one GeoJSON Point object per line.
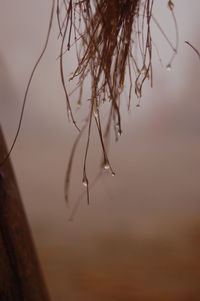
{"type": "Point", "coordinates": [113, 43]}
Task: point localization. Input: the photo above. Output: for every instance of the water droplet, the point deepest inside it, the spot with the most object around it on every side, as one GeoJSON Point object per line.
{"type": "Point", "coordinates": [168, 67]}
{"type": "Point", "coordinates": [69, 112]}
{"type": "Point", "coordinates": [106, 165]}
{"type": "Point", "coordinates": [113, 174]}
{"type": "Point", "coordinates": [85, 181]}
{"type": "Point", "coordinates": [119, 132]}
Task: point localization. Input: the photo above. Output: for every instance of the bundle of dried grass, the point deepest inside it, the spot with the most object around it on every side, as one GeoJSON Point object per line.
{"type": "Point", "coordinates": [113, 41]}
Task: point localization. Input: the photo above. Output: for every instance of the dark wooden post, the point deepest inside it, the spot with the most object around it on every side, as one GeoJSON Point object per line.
{"type": "Point", "coordinates": [20, 275]}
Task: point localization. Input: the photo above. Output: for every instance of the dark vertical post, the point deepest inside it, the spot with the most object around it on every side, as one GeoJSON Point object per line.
{"type": "Point", "coordinates": [20, 275]}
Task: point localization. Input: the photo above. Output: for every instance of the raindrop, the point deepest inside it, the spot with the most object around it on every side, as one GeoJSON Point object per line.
{"type": "Point", "coordinates": [69, 112]}
{"type": "Point", "coordinates": [106, 165]}
{"type": "Point", "coordinates": [168, 67]}
{"type": "Point", "coordinates": [119, 132]}
{"type": "Point", "coordinates": [85, 182]}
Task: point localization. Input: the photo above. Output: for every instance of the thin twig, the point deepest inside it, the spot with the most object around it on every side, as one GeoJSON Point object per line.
{"type": "Point", "coordinates": [197, 52]}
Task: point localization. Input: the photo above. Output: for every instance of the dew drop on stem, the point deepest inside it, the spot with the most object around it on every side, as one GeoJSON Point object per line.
{"type": "Point", "coordinates": [119, 132]}
{"type": "Point", "coordinates": [106, 165]}
{"type": "Point", "coordinates": [168, 67]}
{"type": "Point", "coordinates": [85, 182]}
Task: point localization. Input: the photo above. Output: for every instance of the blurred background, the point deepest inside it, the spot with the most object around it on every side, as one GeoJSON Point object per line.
{"type": "Point", "coordinates": [139, 239]}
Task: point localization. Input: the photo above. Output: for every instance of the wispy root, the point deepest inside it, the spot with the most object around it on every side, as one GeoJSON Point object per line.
{"type": "Point", "coordinates": [113, 44]}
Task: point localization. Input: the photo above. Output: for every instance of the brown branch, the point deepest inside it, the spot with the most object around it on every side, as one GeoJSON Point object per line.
{"type": "Point", "coordinates": [20, 275]}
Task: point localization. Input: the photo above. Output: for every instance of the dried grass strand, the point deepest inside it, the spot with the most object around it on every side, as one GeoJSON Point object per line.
{"type": "Point", "coordinates": [28, 85]}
